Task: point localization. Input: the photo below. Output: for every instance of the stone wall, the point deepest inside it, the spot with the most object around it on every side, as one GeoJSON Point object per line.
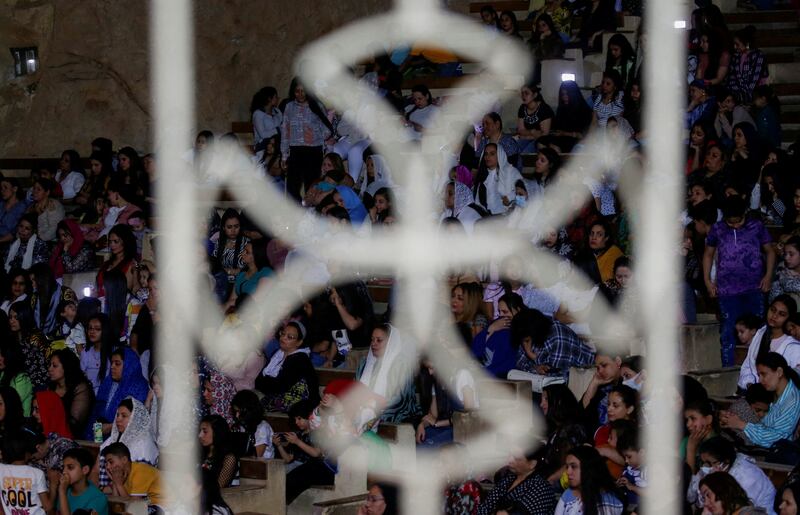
{"type": "Point", "coordinates": [94, 74]}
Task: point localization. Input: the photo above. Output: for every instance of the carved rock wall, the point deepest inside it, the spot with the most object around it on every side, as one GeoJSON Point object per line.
{"type": "Point", "coordinates": [93, 78]}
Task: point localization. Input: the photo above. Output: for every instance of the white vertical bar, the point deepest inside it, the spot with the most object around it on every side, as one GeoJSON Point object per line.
{"type": "Point", "coordinates": [658, 238]}
{"type": "Point", "coordinates": [172, 78]}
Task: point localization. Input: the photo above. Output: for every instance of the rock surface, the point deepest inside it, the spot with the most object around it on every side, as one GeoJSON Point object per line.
{"type": "Point", "coordinates": [93, 77]}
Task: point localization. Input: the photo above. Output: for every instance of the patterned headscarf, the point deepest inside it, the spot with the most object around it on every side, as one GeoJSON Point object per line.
{"type": "Point", "coordinates": [462, 197]}
{"type": "Point", "coordinates": [222, 392]}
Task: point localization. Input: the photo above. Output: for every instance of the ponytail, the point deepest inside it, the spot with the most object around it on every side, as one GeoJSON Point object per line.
{"type": "Point", "coordinates": [774, 361]}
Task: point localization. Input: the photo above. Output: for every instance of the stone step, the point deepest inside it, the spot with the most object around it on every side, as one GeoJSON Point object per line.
{"type": "Point", "coordinates": [784, 73]}
{"type": "Point", "coordinates": [755, 17]}
{"type": "Point", "coordinates": [762, 27]}
{"type": "Point", "coordinates": [700, 346]}
{"type": "Point", "coordinates": [501, 5]}
{"type": "Point", "coordinates": [718, 382]}
{"type": "Point", "coordinates": [778, 38]}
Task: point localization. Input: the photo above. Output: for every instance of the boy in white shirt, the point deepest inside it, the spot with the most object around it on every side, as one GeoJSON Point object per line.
{"type": "Point", "coordinates": [24, 489]}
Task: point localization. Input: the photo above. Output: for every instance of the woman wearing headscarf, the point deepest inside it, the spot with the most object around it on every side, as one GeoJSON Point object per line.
{"type": "Point", "coordinates": [131, 427]}
{"type": "Point", "coordinates": [458, 203]}
{"type": "Point", "coordinates": [388, 372]}
{"type": "Point", "coordinates": [374, 171]}
{"type": "Point", "coordinates": [71, 254]}
{"type": "Point", "coordinates": [124, 380]}
{"type": "Point", "coordinates": [348, 199]}
{"type": "Point", "coordinates": [218, 392]}
{"type": "Point", "coordinates": [496, 180]}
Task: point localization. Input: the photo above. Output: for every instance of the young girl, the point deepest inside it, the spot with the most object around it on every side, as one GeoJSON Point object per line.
{"type": "Point", "coordinates": [702, 424]}
{"type": "Point", "coordinates": [216, 457]}
{"type": "Point", "coordinates": [771, 338]}
{"type": "Point", "coordinates": [591, 489]}
{"type": "Point", "coordinates": [623, 404]}
{"type": "Point", "coordinates": [382, 212]}
{"type": "Point", "coordinates": [746, 327]}
{"type": "Point", "coordinates": [621, 57]}
{"type": "Point", "coordinates": [248, 415]}
{"type": "Point", "coordinates": [69, 327]}
{"type": "Point", "coordinates": [100, 342]}
{"type": "Point", "coordinates": [787, 277]}
{"type": "Point", "coordinates": [701, 136]}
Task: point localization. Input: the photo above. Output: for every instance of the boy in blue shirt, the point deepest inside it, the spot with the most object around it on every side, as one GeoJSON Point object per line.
{"type": "Point", "coordinates": [75, 491]}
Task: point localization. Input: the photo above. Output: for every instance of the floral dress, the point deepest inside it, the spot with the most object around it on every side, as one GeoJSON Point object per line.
{"type": "Point", "coordinates": [462, 499]}
{"type": "Point", "coordinates": [34, 348]}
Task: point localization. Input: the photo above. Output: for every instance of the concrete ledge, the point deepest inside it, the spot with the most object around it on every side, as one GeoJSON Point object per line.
{"type": "Point", "coordinates": [718, 382]}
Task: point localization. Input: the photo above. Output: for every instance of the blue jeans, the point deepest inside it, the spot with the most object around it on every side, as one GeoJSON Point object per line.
{"type": "Point", "coordinates": [731, 307]}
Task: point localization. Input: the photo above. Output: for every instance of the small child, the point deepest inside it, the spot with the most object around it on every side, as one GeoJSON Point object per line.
{"type": "Point", "coordinates": [24, 489]}
{"type": "Point", "coordinates": [314, 467]}
{"type": "Point", "coordinates": [69, 329]}
{"type": "Point", "coordinates": [747, 326]}
{"type": "Point", "coordinates": [138, 223]}
{"type": "Point", "coordinates": [75, 491]}
{"type": "Point", "coordinates": [634, 478]}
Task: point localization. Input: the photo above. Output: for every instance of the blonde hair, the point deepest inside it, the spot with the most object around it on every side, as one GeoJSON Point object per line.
{"type": "Point", "coordinates": [473, 296]}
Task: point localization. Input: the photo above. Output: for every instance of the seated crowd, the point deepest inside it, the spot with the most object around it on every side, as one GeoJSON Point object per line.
{"type": "Point", "coordinates": [89, 368]}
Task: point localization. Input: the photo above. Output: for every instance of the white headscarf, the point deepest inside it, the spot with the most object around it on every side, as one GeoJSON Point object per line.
{"type": "Point", "coordinates": [393, 349]}
{"type": "Point", "coordinates": [138, 437]}
{"type": "Point", "coordinates": [383, 174]}
{"type": "Point", "coordinates": [507, 177]}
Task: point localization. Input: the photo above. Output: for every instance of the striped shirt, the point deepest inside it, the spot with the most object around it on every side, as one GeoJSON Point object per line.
{"type": "Point", "coordinates": [780, 421]}
{"type": "Point", "coordinates": [301, 128]}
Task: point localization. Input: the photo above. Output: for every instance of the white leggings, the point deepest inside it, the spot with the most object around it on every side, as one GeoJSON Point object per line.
{"type": "Point", "coordinates": [353, 153]}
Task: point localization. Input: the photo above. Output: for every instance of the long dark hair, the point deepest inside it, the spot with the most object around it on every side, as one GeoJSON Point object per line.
{"type": "Point", "coordinates": [13, 274]}
{"type": "Point", "coordinates": [260, 253]}
{"type": "Point", "coordinates": [73, 375]}
{"type": "Point", "coordinates": [630, 398]}
{"type": "Point", "coordinates": [626, 58]}
{"type": "Point", "coordinates": [24, 312]}
{"type": "Point", "coordinates": [562, 406]}
{"type": "Point", "coordinates": [431, 388]}
{"type": "Point", "coordinates": [313, 103]}
{"type": "Point", "coordinates": [125, 233]}
{"type": "Point", "coordinates": [774, 361]}
{"type": "Point", "coordinates": [555, 164]}
{"type": "Point", "coordinates": [229, 214]}
{"type": "Point", "coordinates": [727, 490]}
{"type": "Point", "coordinates": [97, 182]}
{"type": "Point", "coordinates": [46, 287]}
{"type": "Point", "coordinates": [766, 338]}
{"type": "Point", "coordinates": [108, 341]}
{"type": "Point", "coordinates": [261, 96]}
{"type": "Point", "coordinates": [251, 412]}
{"type": "Point", "coordinates": [595, 478]}
{"type": "Point", "coordinates": [530, 323]}
{"type": "Point", "coordinates": [14, 362]}
{"type": "Point", "coordinates": [74, 160]}
{"type": "Point", "coordinates": [116, 287]}
{"type": "Point", "coordinates": [14, 417]}
{"type": "Point", "coordinates": [220, 443]}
